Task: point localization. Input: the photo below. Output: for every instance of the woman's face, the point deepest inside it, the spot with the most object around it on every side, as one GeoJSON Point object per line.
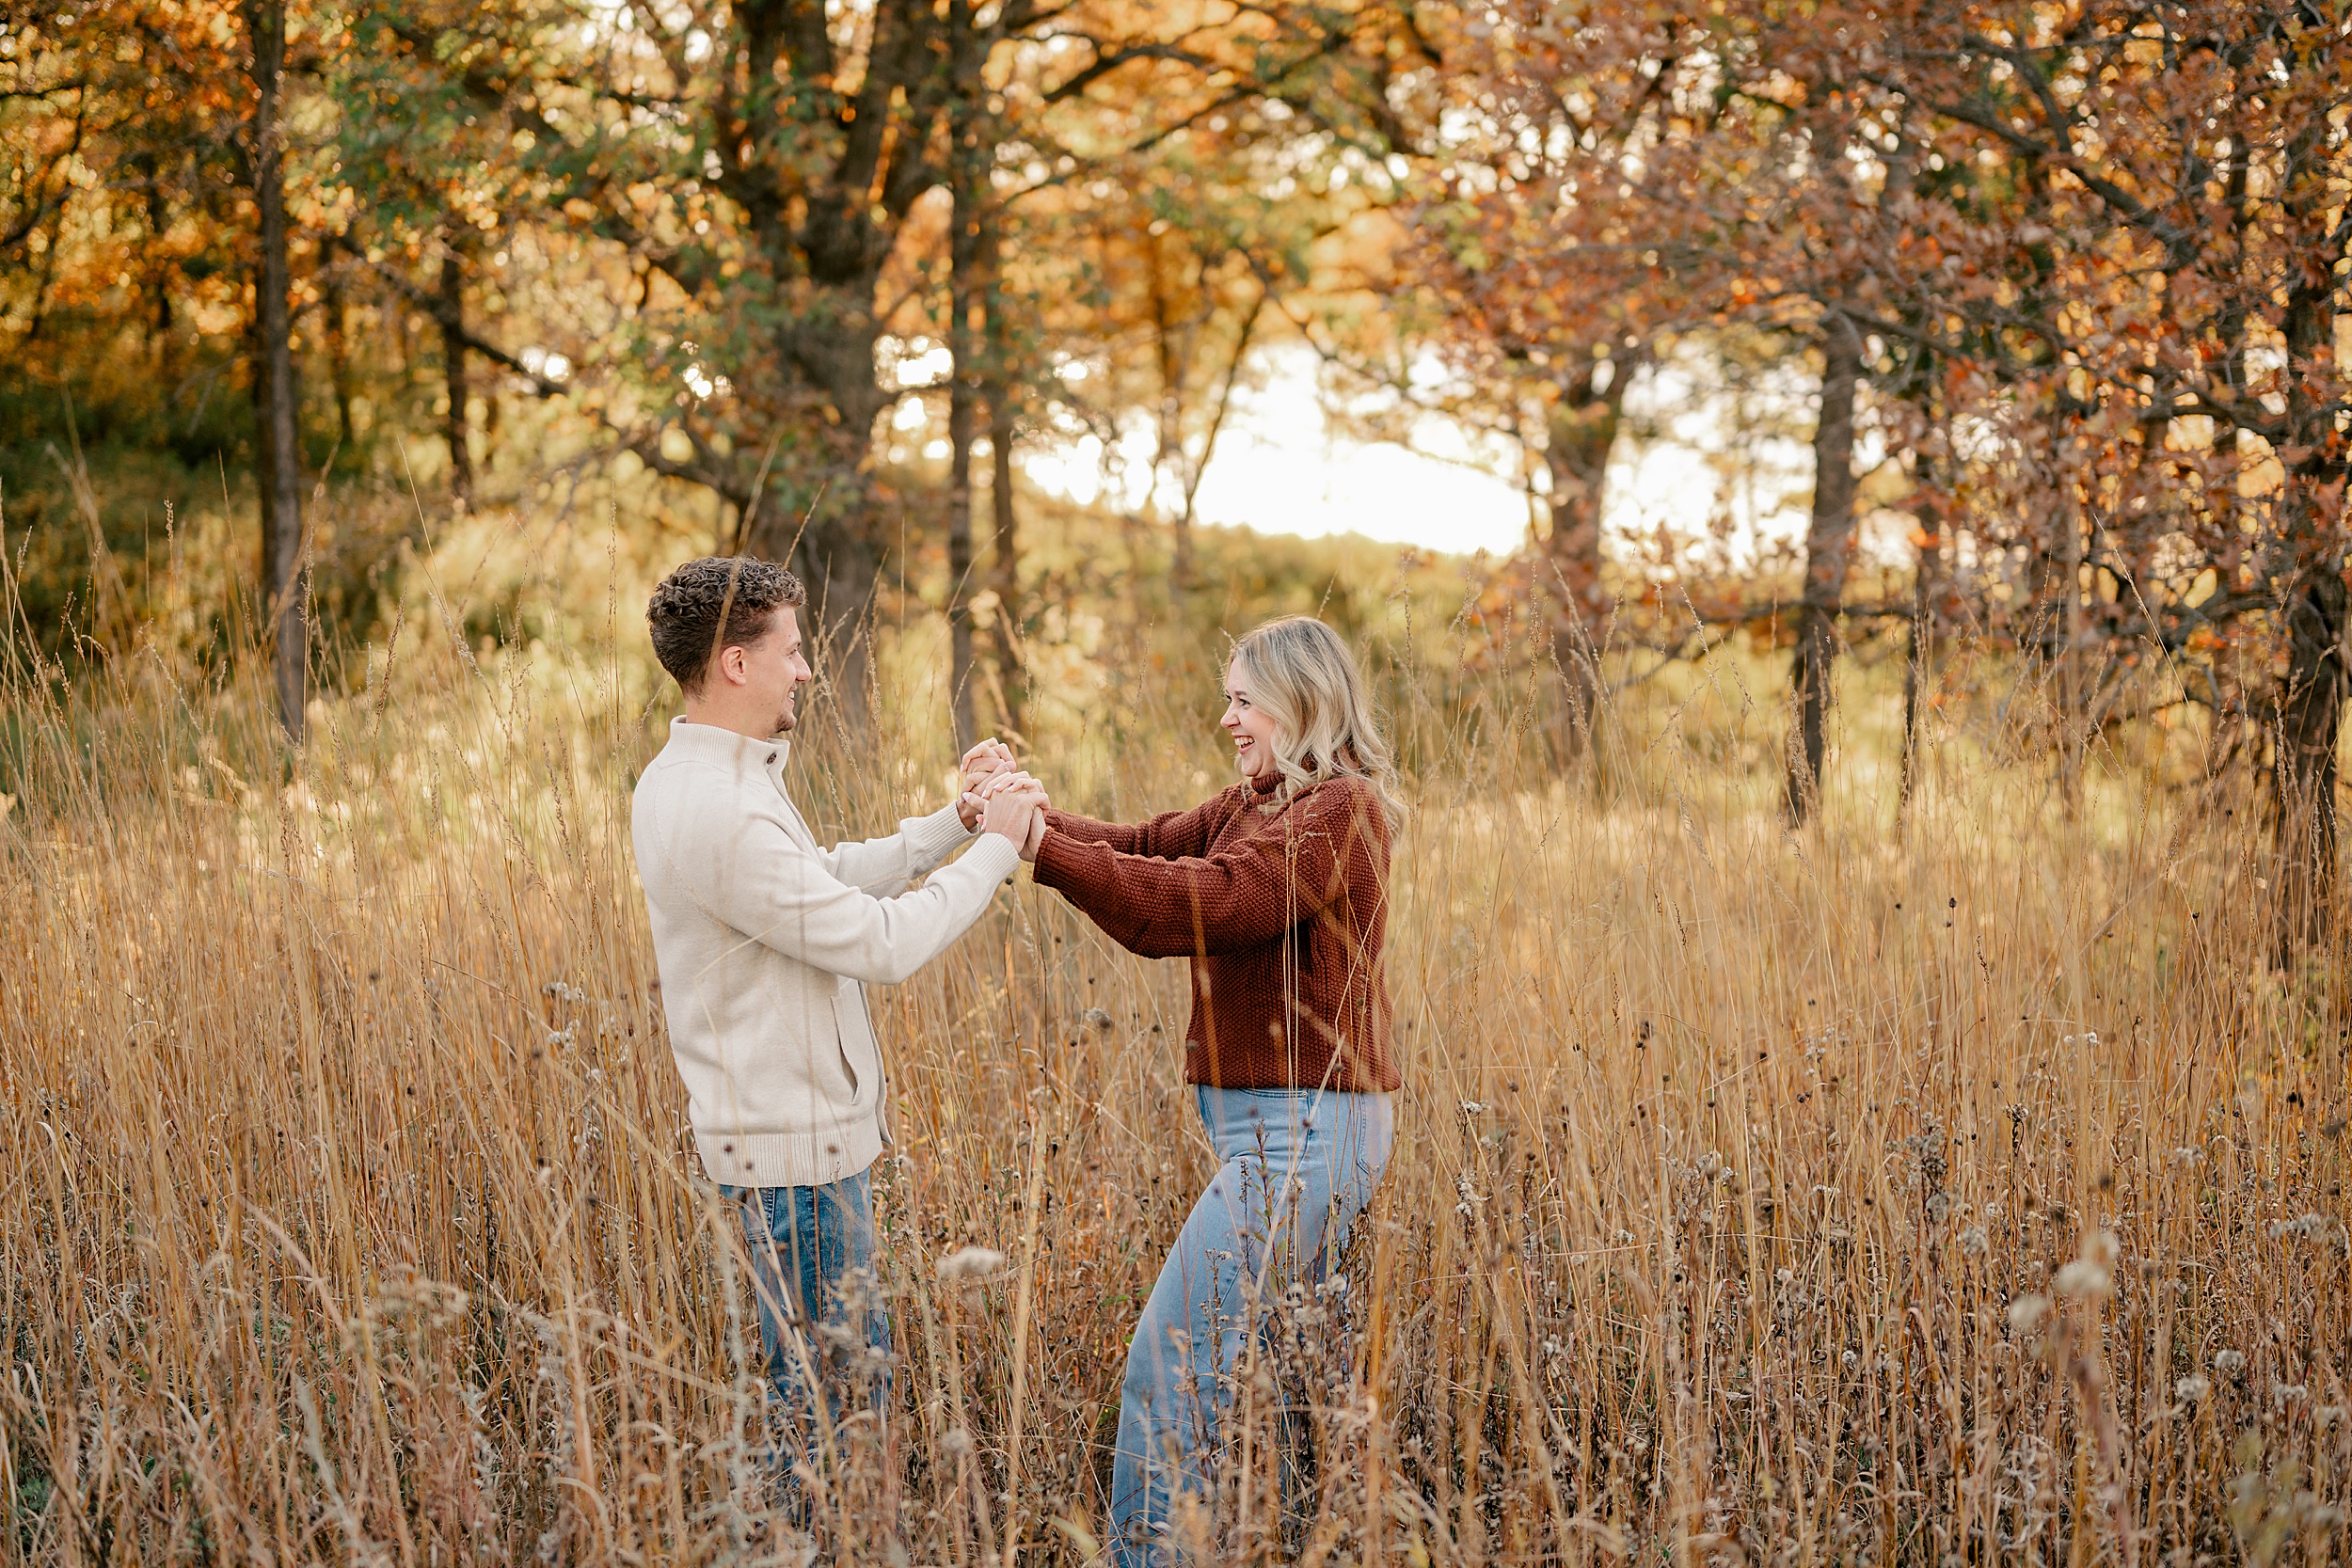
{"type": "Point", "coordinates": [1251, 726]}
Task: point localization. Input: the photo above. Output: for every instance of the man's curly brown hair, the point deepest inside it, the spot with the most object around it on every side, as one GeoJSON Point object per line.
{"type": "Point", "coordinates": [686, 610]}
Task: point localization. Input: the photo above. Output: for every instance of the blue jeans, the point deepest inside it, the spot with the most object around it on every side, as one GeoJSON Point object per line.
{"type": "Point", "coordinates": [820, 1303]}
{"type": "Point", "coordinates": [1297, 1167]}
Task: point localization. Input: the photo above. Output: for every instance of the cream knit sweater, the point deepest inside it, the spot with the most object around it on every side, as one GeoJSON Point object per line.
{"type": "Point", "coordinates": [765, 943]}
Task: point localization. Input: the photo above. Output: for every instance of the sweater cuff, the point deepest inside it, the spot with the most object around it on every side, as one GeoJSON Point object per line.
{"type": "Point", "coordinates": [994, 854]}
{"type": "Point", "coordinates": [1061, 862]}
{"type": "Point", "coordinates": [931, 839]}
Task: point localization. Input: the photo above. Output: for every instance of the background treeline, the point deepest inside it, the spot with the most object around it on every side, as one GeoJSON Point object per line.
{"type": "Point", "coordinates": [282, 282]}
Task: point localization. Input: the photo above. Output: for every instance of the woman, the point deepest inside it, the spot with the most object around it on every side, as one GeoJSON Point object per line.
{"type": "Point", "coordinates": [1275, 890]}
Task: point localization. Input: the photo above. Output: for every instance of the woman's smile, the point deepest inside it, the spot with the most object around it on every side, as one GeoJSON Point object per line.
{"type": "Point", "coordinates": [1251, 727]}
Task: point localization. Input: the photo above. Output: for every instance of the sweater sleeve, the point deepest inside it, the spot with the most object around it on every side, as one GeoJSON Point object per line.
{"type": "Point", "coordinates": [750, 875]}
{"type": "Point", "coordinates": [1161, 837]}
{"type": "Point", "coordinates": [884, 866]}
{"type": "Point", "coordinates": [1239, 898]}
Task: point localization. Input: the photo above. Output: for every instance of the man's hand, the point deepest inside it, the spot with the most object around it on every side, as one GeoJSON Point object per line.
{"type": "Point", "coordinates": [990, 758]}
{"type": "Point", "coordinates": [1013, 810]}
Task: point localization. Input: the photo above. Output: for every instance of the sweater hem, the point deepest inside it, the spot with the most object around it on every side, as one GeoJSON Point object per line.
{"type": "Point", "coordinates": [1303, 1083]}
{"type": "Point", "coordinates": [789, 1159]}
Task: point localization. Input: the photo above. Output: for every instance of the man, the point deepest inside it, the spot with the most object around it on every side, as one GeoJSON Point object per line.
{"type": "Point", "coordinates": [766, 940]}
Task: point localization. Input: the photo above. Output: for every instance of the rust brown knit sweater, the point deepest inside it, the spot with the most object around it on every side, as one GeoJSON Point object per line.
{"type": "Point", "coordinates": [1281, 907]}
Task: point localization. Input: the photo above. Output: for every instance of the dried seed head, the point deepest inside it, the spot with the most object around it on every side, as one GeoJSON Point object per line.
{"type": "Point", "coordinates": [972, 1262]}
{"type": "Point", "coordinates": [2102, 1249]}
{"type": "Point", "coordinates": [2083, 1281]}
{"type": "Point", "coordinates": [2090, 1276]}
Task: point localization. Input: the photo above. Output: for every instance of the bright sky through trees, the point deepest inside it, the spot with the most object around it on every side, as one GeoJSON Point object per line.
{"type": "Point", "coordinates": [1284, 467]}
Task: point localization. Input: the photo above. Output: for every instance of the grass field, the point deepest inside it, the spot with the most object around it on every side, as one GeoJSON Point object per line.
{"type": "Point", "coordinates": [1967, 1193]}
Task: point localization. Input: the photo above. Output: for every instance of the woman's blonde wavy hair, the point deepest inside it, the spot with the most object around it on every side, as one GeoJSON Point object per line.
{"type": "Point", "coordinates": [1303, 675]}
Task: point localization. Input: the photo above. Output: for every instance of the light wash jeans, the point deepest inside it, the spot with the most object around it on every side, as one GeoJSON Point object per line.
{"type": "Point", "coordinates": [1297, 1167]}
{"type": "Point", "coordinates": [820, 1303]}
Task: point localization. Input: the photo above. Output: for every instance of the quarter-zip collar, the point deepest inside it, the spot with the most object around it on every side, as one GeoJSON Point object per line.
{"type": "Point", "coordinates": [742, 755]}
{"type": "Point", "coordinates": [711, 743]}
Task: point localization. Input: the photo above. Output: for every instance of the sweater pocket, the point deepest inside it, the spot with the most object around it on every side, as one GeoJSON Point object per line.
{"type": "Point", "coordinates": [809, 1054]}
{"type": "Point", "coordinates": [849, 1026]}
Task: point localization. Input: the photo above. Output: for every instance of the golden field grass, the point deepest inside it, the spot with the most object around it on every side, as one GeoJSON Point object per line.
{"type": "Point", "coordinates": [1966, 1193]}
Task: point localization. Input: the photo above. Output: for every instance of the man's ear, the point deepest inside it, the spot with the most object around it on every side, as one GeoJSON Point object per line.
{"type": "Point", "coordinates": [728, 666]}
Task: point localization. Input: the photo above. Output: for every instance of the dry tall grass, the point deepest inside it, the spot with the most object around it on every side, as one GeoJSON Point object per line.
{"type": "Point", "coordinates": [1966, 1195]}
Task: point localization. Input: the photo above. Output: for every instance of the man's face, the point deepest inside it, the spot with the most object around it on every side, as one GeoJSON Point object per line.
{"type": "Point", "coordinates": [774, 667]}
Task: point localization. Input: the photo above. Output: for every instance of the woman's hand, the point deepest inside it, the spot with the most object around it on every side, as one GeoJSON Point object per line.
{"type": "Point", "coordinates": [1011, 779]}
{"type": "Point", "coordinates": [1037, 836]}
{"type": "Point", "coordinates": [1013, 810]}
{"type": "Point", "coordinates": [992, 758]}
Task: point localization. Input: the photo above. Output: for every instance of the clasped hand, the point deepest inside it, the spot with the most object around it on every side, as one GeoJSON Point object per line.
{"type": "Point", "coordinates": [999, 798]}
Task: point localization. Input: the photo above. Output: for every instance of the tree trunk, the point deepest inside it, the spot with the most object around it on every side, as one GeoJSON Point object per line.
{"type": "Point", "coordinates": [1192, 469]}
{"type": "Point", "coordinates": [826, 535]}
{"type": "Point", "coordinates": [836, 557]}
{"type": "Point", "coordinates": [1005, 556]}
{"type": "Point", "coordinates": [448, 312]}
{"type": "Point", "coordinates": [964, 181]}
{"type": "Point", "coordinates": [339, 364]}
{"type": "Point", "coordinates": [2311, 713]}
{"type": "Point", "coordinates": [1171, 404]}
{"type": "Point", "coordinates": [1923, 590]}
{"type": "Point", "coordinates": [2073, 627]}
{"type": "Point", "coordinates": [2310, 710]}
{"type": "Point", "coordinates": [158, 224]}
{"type": "Point", "coordinates": [1829, 541]}
{"type": "Point", "coordinates": [1581, 432]}
{"type": "Point", "coordinates": [960, 555]}
{"type": "Point", "coordinates": [827, 162]}
{"type": "Point", "coordinates": [286, 578]}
